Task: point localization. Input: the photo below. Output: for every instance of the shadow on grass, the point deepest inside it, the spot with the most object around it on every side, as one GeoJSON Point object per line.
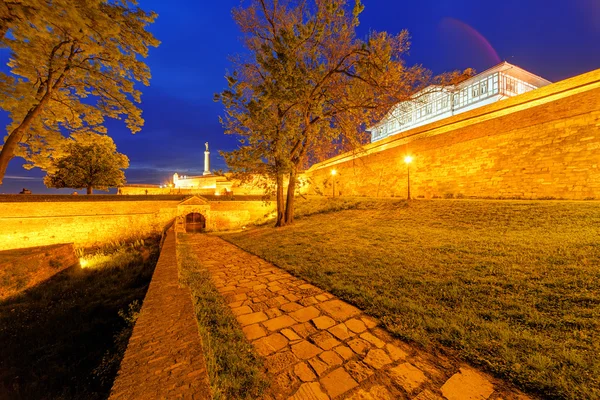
{"type": "Point", "coordinates": [65, 337]}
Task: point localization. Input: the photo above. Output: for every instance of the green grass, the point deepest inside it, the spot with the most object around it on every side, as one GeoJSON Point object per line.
{"type": "Point", "coordinates": [511, 286]}
{"type": "Point", "coordinates": [235, 370]}
{"type": "Point", "coordinates": [65, 337]}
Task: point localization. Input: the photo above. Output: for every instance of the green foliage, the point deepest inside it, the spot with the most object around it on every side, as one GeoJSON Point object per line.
{"type": "Point", "coordinates": [512, 286]}
{"type": "Point", "coordinates": [73, 63]}
{"type": "Point", "coordinates": [91, 161]}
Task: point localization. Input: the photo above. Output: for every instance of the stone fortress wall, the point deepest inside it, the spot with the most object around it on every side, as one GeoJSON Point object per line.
{"type": "Point", "coordinates": [541, 144]}
{"type": "Point", "coordinates": [30, 224]}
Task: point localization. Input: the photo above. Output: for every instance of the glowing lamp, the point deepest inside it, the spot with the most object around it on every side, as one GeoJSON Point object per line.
{"type": "Point", "coordinates": [408, 159]}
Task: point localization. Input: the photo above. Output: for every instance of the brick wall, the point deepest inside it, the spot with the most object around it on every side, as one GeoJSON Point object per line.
{"type": "Point", "coordinates": [542, 144]}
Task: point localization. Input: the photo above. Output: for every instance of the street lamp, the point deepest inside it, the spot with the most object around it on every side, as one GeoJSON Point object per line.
{"type": "Point", "coordinates": [333, 172]}
{"type": "Point", "coordinates": [408, 160]}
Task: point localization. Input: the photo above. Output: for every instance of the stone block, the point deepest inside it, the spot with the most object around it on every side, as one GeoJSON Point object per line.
{"type": "Point", "coordinates": [278, 323]}
{"type": "Point", "coordinates": [305, 350]}
{"type": "Point", "coordinates": [249, 319]}
{"type": "Point", "coordinates": [323, 322]}
{"type": "Point", "coordinates": [324, 340]}
{"type": "Point", "coordinates": [338, 382]}
{"type": "Point", "coordinates": [309, 391]}
{"type": "Point", "coordinates": [339, 310]}
{"type": "Point", "coordinates": [254, 331]}
{"type": "Point", "coordinates": [340, 331]}
{"type": "Point", "coordinates": [408, 377]}
{"type": "Point", "coordinates": [305, 314]}
{"type": "Point", "coordinates": [356, 325]}
{"type": "Point", "coordinates": [331, 358]}
{"type": "Point", "coordinates": [304, 373]}
{"type": "Point", "coordinates": [467, 384]}
{"type": "Point", "coordinates": [377, 358]}
{"type": "Point", "coordinates": [270, 344]}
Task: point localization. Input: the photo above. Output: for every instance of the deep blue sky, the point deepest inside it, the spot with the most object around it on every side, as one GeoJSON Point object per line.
{"type": "Point", "coordinates": [555, 39]}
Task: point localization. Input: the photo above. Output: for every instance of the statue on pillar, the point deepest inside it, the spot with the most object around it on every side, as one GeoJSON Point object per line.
{"type": "Point", "coordinates": [206, 160]}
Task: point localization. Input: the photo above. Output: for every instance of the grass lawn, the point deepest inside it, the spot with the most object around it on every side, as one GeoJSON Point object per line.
{"type": "Point", "coordinates": [65, 337]}
{"type": "Point", "coordinates": [511, 286]}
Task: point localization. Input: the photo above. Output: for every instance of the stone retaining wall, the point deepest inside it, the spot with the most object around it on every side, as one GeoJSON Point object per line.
{"type": "Point", "coordinates": [542, 144]}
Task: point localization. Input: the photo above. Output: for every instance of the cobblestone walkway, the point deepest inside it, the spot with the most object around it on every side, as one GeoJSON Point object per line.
{"type": "Point", "coordinates": [319, 347]}
{"type": "Point", "coordinates": [164, 358]}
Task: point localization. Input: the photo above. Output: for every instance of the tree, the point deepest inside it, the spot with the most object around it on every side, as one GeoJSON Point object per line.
{"type": "Point", "coordinates": [308, 83]}
{"type": "Point", "coordinates": [73, 63]}
{"type": "Point", "coordinates": [91, 162]}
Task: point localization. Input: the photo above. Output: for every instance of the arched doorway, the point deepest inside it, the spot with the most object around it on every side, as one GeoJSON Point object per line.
{"type": "Point", "coordinates": [195, 222]}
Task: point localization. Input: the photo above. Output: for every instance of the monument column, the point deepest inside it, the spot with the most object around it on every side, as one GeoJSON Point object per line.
{"type": "Point", "coordinates": [206, 160]}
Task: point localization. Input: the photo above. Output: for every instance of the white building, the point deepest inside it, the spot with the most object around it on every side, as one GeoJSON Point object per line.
{"type": "Point", "coordinates": [436, 102]}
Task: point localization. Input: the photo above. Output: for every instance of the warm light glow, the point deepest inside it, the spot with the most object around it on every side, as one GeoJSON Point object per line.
{"type": "Point", "coordinates": [408, 159]}
{"type": "Point", "coordinates": [217, 194]}
{"type": "Point", "coordinates": [83, 262]}
{"type": "Point", "coordinates": [333, 172]}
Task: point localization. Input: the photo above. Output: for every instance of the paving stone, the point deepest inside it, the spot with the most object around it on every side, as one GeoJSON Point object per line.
{"type": "Point", "coordinates": [341, 332]}
{"type": "Point", "coordinates": [356, 325]}
{"type": "Point", "coordinates": [305, 314]}
{"type": "Point", "coordinates": [308, 301]}
{"type": "Point", "coordinates": [408, 377]}
{"type": "Point", "coordinates": [304, 373]}
{"type": "Point", "coordinates": [369, 322]}
{"type": "Point", "coordinates": [292, 306]}
{"type": "Point", "coordinates": [338, 382]}
{"type": "Point", "coordinates": [331, 358]}
{"type": "Point", "coordinates": [374, 340]}
{"type": "Point", "coordinates": [249, 319]}
{"type": "Point", "coordinates": [241, 310]}
{"type": "Point", "coordinates": [236, 304]}
{"type": "Point", "coordinates": [395, 353]}
{"type": "Point", "coordinates": [278, 323]}
{"type": "Point", "coordinates": [323, 322]}
{"type": "Point", "coordinates": [321, 297]}
{"type": "Point", "coordinates": [359, 370]}
{"type": "Point", "coordinates": [286, 381]}
{"type": "Point", "coordinates": [376, 392]}
{"type": "Point", "coordinates": [467, 384]}
{"type": "Point", "coordinates": [305, 350]}
{"type": "Point", "coordinates": [270, 344]}
{"type": "Point", "coordinates": [345, 352]}
{"type": "Point", "coordinates": [291, 297]}
{"type": "Point", "coordinates": [319, 366]}
{"type": "Point", "coordinates": [339, 310]}
{"type": "Point", "coordinates": [309, 391]}
{"type": "Point", "coordinates": [280, 361]}
{"type": "Point", "coordinates": [324, 340]}
{"type": "Point", "coordinates": [304, 329]}
{"type": "Point", "coordinates": [273, 313]}
{"type": "Point", "coordinates": [377, 358]}
{"type": "Point", "coordinates": [359, 346]}
{"type": "Point", "coordinates": [290, 334]}
{"type": "Point", "coordinates": [254, 331]}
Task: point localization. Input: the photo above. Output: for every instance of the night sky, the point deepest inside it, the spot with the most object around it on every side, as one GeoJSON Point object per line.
{"type": "Point", "coordinates": [555, 39]}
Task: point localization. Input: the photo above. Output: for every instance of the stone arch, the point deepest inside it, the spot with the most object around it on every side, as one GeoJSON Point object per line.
{"type": "Point", "coordinates": [194, 222]}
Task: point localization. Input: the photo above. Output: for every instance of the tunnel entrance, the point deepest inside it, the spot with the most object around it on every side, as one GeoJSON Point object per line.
{"type": "Point", "coordinates": [195, 222]}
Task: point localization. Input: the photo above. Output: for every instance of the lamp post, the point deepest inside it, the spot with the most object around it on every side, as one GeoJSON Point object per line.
{"type": "Point", "coordinates": [333, 172]}
{"type": "Point", "coordinates": [408, 160]}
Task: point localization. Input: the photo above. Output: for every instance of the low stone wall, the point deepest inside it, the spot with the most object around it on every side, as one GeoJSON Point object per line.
{"type": "Point", "coordinates": [22, 269]}
{"type": "Point", "coordinates": [542, 144]}
{"type": "Point", "coordinates": [164, 357]}
{"type": "Point", "coordinates": [30, 224]}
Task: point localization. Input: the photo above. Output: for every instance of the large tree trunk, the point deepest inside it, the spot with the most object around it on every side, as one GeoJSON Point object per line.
{"type": "Point", "coordinates": [15, 137]}
{"type": "Point", "coordinates": [280, 203]}
{"type": "Point", "coordinates": [291, 191]}
{"type": "Point", "coordinates": [90, 190]}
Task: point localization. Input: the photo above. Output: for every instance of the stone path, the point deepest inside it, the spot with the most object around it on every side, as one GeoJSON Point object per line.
{"type": "Point", "coordinates": [319, 347]}
{"type": "Point", "coordinates": [164, 358]}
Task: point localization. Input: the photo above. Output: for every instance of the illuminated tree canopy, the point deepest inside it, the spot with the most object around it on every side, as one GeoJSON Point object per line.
{"type": "Point", "coordinates": [309, 85]}
{"type": "Point", "coordinates": [90, 161]}
{"type": "Point", "coordinates": [72, 64]}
